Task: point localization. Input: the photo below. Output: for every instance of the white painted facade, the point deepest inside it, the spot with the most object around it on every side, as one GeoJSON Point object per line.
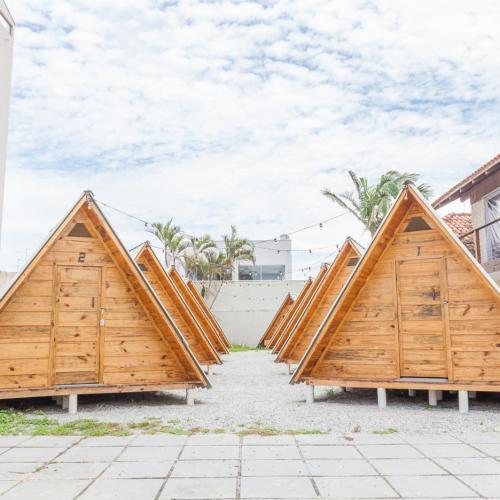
{"type": "Point", "coordinates": [6, 46]}
{"type": "Point", "coordinates": [273, 261]}
{"type": "Point", "coordinates": [245, 308]}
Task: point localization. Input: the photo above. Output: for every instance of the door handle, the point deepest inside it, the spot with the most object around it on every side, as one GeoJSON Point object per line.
{"type": "Point", "coordinates": [434, 294]}
{"type": "Point", "coordinates": [93, 302]}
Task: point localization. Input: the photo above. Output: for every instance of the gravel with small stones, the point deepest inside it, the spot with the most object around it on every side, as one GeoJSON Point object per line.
{"type": "Point", "coordinates": [249, 389]}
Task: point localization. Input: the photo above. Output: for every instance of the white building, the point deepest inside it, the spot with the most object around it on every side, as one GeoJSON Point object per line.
{"type": "Point", "coordinates": [273, 261]}
{"type": "Point", "coordinates": [6, 43]}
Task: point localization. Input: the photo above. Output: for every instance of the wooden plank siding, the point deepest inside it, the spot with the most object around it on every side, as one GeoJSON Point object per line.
{"type": "Point", "coordinates": [80, 314]}
{"type": "Point", "coordinates": [322, 300]}
{"type": "Point", "coordinates": [198, 311]}
{"type": "Point", "coordinates": [209, 313]}
{"type": "Point", "coordinates": [277, 318]}
{"type": "Point", "coordinates": [417, 307]}
{"type": "Point", "coordinates": [291, 312]}
{"type": "Point", "coordinates": [299, 311]}
{"type": "Point", "coordinates": [176, 305]}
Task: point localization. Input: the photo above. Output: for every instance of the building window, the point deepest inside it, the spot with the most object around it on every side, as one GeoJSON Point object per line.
{"type": "Point", "coordinates": [492, 212]}
{"type": "Point", "coordinates": [257, 273]}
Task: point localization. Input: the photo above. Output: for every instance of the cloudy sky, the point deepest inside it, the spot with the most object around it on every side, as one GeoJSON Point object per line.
{"type": "Point", "coordinates": [241, 112]}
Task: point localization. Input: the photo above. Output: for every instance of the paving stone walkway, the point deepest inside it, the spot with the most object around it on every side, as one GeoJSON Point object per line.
{"type": "Point", "coordinates": [227, 466]}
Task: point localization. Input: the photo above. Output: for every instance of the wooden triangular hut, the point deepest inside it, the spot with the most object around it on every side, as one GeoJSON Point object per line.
{"type": "Point", "coordinates": [287, 330]}
{"type": "Point", "coordinates": [208, 327]}
{"type": "Point", "coordinates": [176, 305]}
{"type": "Point", "coordinates": [296, 303]}
{"type": "Point", "coordinates": [320, 302]}
{"type": "Point", "coordinates": [277, 318]}
{"type": "Point", "coordinates": [208, 312]}
{"type": "Point", "coordinates": [418, 312]}
{"type": "Point", "coordinates": [81, 318]}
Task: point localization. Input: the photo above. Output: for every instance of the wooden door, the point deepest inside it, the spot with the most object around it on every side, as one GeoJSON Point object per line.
{"type": "Point", "coordinates": [76, 325]}
{"type": "Point", "coordinates": [422, 329]}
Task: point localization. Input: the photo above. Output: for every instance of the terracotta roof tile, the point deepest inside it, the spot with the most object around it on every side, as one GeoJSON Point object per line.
{"type": "Point", "coordinates": [454, 192]}
{"type": "Point", "coordinates": [461, 223]}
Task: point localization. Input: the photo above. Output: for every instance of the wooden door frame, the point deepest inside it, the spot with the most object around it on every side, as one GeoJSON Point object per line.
{"type": "Point", "coordinates": [53, 343]}
{"type": "Point", "coordinates": [443, 282]}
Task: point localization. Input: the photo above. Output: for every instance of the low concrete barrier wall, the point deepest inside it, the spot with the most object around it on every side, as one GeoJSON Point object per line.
{"type": "Point", "coordinates": [245, 308]}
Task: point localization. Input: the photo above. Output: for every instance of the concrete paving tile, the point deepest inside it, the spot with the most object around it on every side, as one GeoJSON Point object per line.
{"type": "Point", "coordinates": [270, 452]}
{"type": "Point", "coordinates": [54, 489]}
{"type": "Point", "coordinates": [107, 441]}
{"type": "Point", "coordinates": [448, 450]}
{"type": "Point", "coordinates": [210, 453]}
{"type": "Point", "coordinates": [159, 440]}
{"type": "Point", "coordinates": [341, 468]}
{"type": "Point", "coordinates": [30, 454]}
{"type": "Point", "coordinates": [213, 440]}
{"type": "Point", "coordinates": [8, 441]}
{"type": "Point", "coordinates": [273, 468]}
{"type": "Point", "coordinates": [472, 438]}
{"type": "Point", "coordinates": [50, 442]}
{"type": "Point", "coordinates": [70, 470]}
{"type": "Point", "coordinates": [321, 439]}
{"type": "Point", "coordinates": [329, 451]}
{"type": "Point", "coordinates": [361, 438]}
{"type": "Point", "coordinates": [429, 486]}
{"type": "Point", "coordinates": [406, 467]}
{"type": "Point", "coordinates": [149, 454]}
{"type": "Point", "coordinates": [90, 454]}
{"type": "Point", "coordinates": [206, 468]}
{"type": "Point", "coordinates": [479, 465]}
{"type": "Point", "coordinates": [123, 489]}
{"type": "Point", "coordinates": [488, 486]}
{"type": "Point", "coordinates": [201, 488]}
{"type": "Point", "coordinates": [490, 449]}
{"type": "Point", "coordinates": [430, 439]}
{"type": "Point", "coordinates": [20, 470]}
{"type": "Point", "coordinates": [388, 451]}
{"type": "Point", "coordinates": [138, 470]}
{"type": "Point", "coordinates": [277, 487]}
{"type": "Point", "coordinates": [268, 440]}
{"type": "Point", "coordinates": [360, 487]}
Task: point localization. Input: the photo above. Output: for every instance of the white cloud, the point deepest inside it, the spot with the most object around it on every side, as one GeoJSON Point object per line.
{"type": "Point", "coordinates": [241, 112]}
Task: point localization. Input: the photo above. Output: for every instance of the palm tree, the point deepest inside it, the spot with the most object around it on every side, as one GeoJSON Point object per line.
{"type": "Point", "coordinates": [237, 249]}
{"type": "Point", "coordinates": [198, 249]}
{"type": "Point", "coordinates": [369, 203]}
{"type": "Point", "coordinates": [172, 240]}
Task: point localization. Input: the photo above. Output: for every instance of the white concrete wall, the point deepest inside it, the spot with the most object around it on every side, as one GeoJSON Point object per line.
{"type": "Point", "coordinates": [6, 44]}
{"type": "Point", "coordinates": [245, 308]}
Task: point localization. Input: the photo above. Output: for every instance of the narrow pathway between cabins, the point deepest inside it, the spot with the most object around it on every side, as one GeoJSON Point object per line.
{"type": "Point", "coordinates": [251, 391]}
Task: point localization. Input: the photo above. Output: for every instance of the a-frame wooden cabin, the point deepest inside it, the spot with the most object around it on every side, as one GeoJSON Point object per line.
{"type": "Point", "coordinates": [176, 305]}
{"type": "Point", "coordinates": [207, 326]}
{"type": "Point", "coordinates": [211, 316]}
{"type": "Point", "coordinates": [287, 330]}
{"type": "Point", "coordinates": [296, 303]}
{"type": "Point", "coordinates": [277, 318]}
{"type": "Point", "coordinates": [81, 318]}
{"type": "Point", "coordinates": [418, 312]}
{"type": "Point", "coordinates": [320, 302]}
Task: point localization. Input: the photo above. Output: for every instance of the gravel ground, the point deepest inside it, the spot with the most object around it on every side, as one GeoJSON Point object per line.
{"type": "Point", "coordinates": [249, 389]}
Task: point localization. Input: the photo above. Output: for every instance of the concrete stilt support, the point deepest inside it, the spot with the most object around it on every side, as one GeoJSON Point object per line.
{"type": "Point", "coordinates": [59, 400]}
{"type": "Point", "coordinates": [472, 394]}
{"type": "Point", "coordinates": [381, 398]}
{"type": "Point", "coordinates": [343, 389]}
{"type": "Point", "coordinates": [209, 370]}
{"type": "Point", "coordinates": [439, 395]}
{"type": "Point", "coordinates": [73, 404]}
{"type": "Point", "coordinates": [65, 402]}
{"type": "Point", "coordinates": [189, 397]}
{"type": "Point", "coordinates": [289, 367]}
{"type": "Point", "coordinates": [463, 402]}
{"type": "Point", "coordinates": [412, 393]}
{"type": "Point", "coordinates": [433, 399]}
{"type": "Point", "coordinates": [309, 394]}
